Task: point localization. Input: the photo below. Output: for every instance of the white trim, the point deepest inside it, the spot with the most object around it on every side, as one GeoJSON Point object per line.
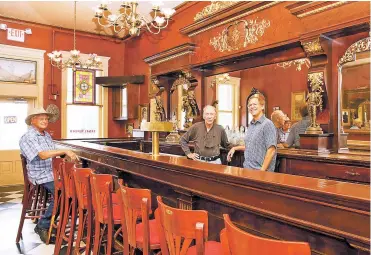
{"type": "Point", "coordinates": [34, 91]}
{"type": "Point", "coordinates": [105, 66]}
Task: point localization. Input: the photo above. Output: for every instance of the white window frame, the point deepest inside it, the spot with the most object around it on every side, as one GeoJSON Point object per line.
{"type": "Point", "coordinates": [103, 116]}
{"type": "Point", "coordinates": [235, 83]}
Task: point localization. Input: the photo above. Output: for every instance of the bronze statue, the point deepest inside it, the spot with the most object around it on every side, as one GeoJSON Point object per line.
{"type": "Point", "coordinates": [160, 114]}
{"type": "Point", "coordinates": [314, 101]}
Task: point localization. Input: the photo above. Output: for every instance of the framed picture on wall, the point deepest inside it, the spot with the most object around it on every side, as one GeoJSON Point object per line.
{"type": "Point", "coordinates": [18, 70]}
{"type": "Point", "coordinates": [84, 86]}
{"type": "Point", "coordinates": [297, 100]}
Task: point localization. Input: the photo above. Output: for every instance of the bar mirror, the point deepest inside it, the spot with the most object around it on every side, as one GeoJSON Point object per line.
{"type": "Point", "coordinates": [354, 79]}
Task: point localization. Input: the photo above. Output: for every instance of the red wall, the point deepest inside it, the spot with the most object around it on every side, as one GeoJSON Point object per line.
{"type": "Point", "coordinates": [42, 38]}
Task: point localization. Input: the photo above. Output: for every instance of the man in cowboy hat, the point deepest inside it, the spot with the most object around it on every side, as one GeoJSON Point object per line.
{"type": "Point", "coordinates": [38, 148]}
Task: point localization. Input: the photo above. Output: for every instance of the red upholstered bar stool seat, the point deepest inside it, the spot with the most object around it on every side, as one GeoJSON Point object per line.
{"type": "Point", "coordinates": [69, 211]}
{"type": "Point", "coordinates": [82, 177]}
{"type": "Point", "coordinates": [238, 242]}
{"type": "Point", "coordinates": [136, 204]}
{"type": "Point", "coordinates": [180, 227]}
{"type": "Point", "coordinates": [107, 214]}
{"type": "Point", "coordinates": [32, 195]}
{"type": "Point", "coordinates": [58, 198]}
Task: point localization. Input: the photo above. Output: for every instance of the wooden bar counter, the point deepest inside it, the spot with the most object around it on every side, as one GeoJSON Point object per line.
{"type": "Point", "coordinates": [332, 216]}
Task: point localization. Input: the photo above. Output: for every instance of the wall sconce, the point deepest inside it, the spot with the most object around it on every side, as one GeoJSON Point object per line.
{"type": "Point", "coordinates": [3, 26]}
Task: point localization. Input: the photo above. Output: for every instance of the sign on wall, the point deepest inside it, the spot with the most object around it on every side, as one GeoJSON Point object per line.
{"type": "Point", "coordinates": [10, 119]}
{"type": "Point", "coordinates": [16, 35]}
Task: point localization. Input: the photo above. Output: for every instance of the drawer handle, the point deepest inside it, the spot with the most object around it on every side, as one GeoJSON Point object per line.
{"type": "Point", "coordinates": [352, 173]}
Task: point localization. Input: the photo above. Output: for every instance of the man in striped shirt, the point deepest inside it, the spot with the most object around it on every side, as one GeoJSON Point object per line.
{"type": "Point", "coordinates": [38, 148]}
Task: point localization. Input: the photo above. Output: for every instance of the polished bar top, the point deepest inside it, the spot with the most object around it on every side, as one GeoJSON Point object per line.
{"type": "Point", "coordinates": [339, 158]}
{"type": "Point", "coordinates": [323, 188]}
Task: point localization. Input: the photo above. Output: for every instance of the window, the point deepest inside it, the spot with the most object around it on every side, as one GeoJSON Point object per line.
{"type": "Point", "coordinates": [124, 106]}
{"type": "Point", "coordinates": [83, 121]}
{"type": "Point", "coordinates": [228, 96]}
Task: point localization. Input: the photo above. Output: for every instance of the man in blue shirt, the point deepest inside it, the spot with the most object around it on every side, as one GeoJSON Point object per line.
{"type": "Point", "coordinates": [38, 148]}
{"type": "Point", "coordinates": [260, 140]}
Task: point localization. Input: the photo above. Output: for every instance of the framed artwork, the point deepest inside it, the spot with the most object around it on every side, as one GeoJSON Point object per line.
{"type": "Point", "coordinates": [18, 70]}
{"type": "Point", "coordinates": [84, 86]}
{"type": "Point", "coordinates": [143, 112]}
{"type": "Point", "coordinates": [345, 117]}
{"type": "Point", "coordinates": [297, 100]}
{"type": "Point", "coordinates": [129, 128]}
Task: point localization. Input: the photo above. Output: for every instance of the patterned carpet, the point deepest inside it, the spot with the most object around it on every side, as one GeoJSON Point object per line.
{"type": "Point", "coordinates": [10, 211]}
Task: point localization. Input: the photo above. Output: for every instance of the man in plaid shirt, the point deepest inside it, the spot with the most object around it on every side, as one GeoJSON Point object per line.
{"type": "Point", "coordinates": [38, 148]}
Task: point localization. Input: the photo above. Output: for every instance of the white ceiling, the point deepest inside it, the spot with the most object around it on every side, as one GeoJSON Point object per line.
{"type": "Point", "coordinates": [60, 13]}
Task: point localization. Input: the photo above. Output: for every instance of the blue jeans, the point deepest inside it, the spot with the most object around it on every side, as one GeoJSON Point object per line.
{"type": "Point", "coordinates": [44, 221]}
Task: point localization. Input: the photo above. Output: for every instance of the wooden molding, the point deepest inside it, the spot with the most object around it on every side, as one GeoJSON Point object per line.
{"type": "Point", "coordinates": [119, 81]}
{"type": "Point", "coordinates": [303, 9]}
{"type": "Point", "coordinates": [227, 15]}
{"type": "Point", "coordinates": [184, 49]}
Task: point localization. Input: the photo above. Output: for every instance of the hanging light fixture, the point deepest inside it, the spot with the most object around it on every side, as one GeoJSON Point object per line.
{"type": "Point", "coordinates": [131, 21]}
{"type": "Point", "coordinates": [74, 61]}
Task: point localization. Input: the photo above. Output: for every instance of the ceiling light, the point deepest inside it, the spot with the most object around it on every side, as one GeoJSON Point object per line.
{"type": "Point", "coordinates": [129, 20]}
{"type": "Point", "coordinates": [74, 61]}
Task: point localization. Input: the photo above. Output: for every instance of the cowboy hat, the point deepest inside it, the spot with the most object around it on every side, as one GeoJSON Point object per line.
{"type": "Point", "coordinates": [36, 111]}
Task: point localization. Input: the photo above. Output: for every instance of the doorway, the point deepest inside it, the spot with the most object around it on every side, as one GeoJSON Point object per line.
{"type": "Point", "coordinates": [13, 113]}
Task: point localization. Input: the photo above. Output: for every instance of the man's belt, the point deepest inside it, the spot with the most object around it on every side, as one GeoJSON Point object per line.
{"type": "Point", "coordinates": [209, 158]}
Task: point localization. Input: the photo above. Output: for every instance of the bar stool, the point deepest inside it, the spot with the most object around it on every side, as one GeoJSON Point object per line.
{"type": "Point", "coordinates": [106, 212]}
{"type": "Point", "coordinates": [84, 197]}
{"type": "Point", "coordinates": [177, 225]}
{"type": "Point", "coordinates": [145, 235]}
{"type": "Point", "coordinates": [31, 196]}
{"type": "Point", "coordinates": [58, 198]}
{"type": "Point", "coordinates": [69, 210]}
{"type": "Point", "coordinates": [237, 242]}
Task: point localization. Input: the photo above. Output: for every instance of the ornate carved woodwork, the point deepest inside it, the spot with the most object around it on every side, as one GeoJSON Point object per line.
{"type": "Point", "coordinates": [357, 47]}
{"type": "Point", "coordinates": [226, 16]}
{"type": "Point", "coordinates": [313, 47]}
{"type": "Point", "coordinates": [239, 35]}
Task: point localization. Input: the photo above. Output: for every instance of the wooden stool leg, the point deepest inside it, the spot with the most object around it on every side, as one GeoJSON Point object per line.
{"type": "Point", "coordinates": [72, 227]}
{"type": "Point", "coordinates": [96, 244]}
{"type": "Point", "coordinates": [89, 223]}
{"type": "Point", "coordinates": [26, 199]}
{"type": "Point", "coordinates": [61, 218]}
{"type": "Point", "coordinates": [109, 238]}
{"type": "Point", "coordinates": [57, 203]}
{"type": "Point", "coordinates": [65, 218]}
{"type": "Point", "coordinates": [80, 230]}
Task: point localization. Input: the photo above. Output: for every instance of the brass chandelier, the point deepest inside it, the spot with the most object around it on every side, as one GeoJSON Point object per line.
{"type": "Point", "coordinates": [128, 19]}
{"type": "Point", "coordinates": [74, 61]}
